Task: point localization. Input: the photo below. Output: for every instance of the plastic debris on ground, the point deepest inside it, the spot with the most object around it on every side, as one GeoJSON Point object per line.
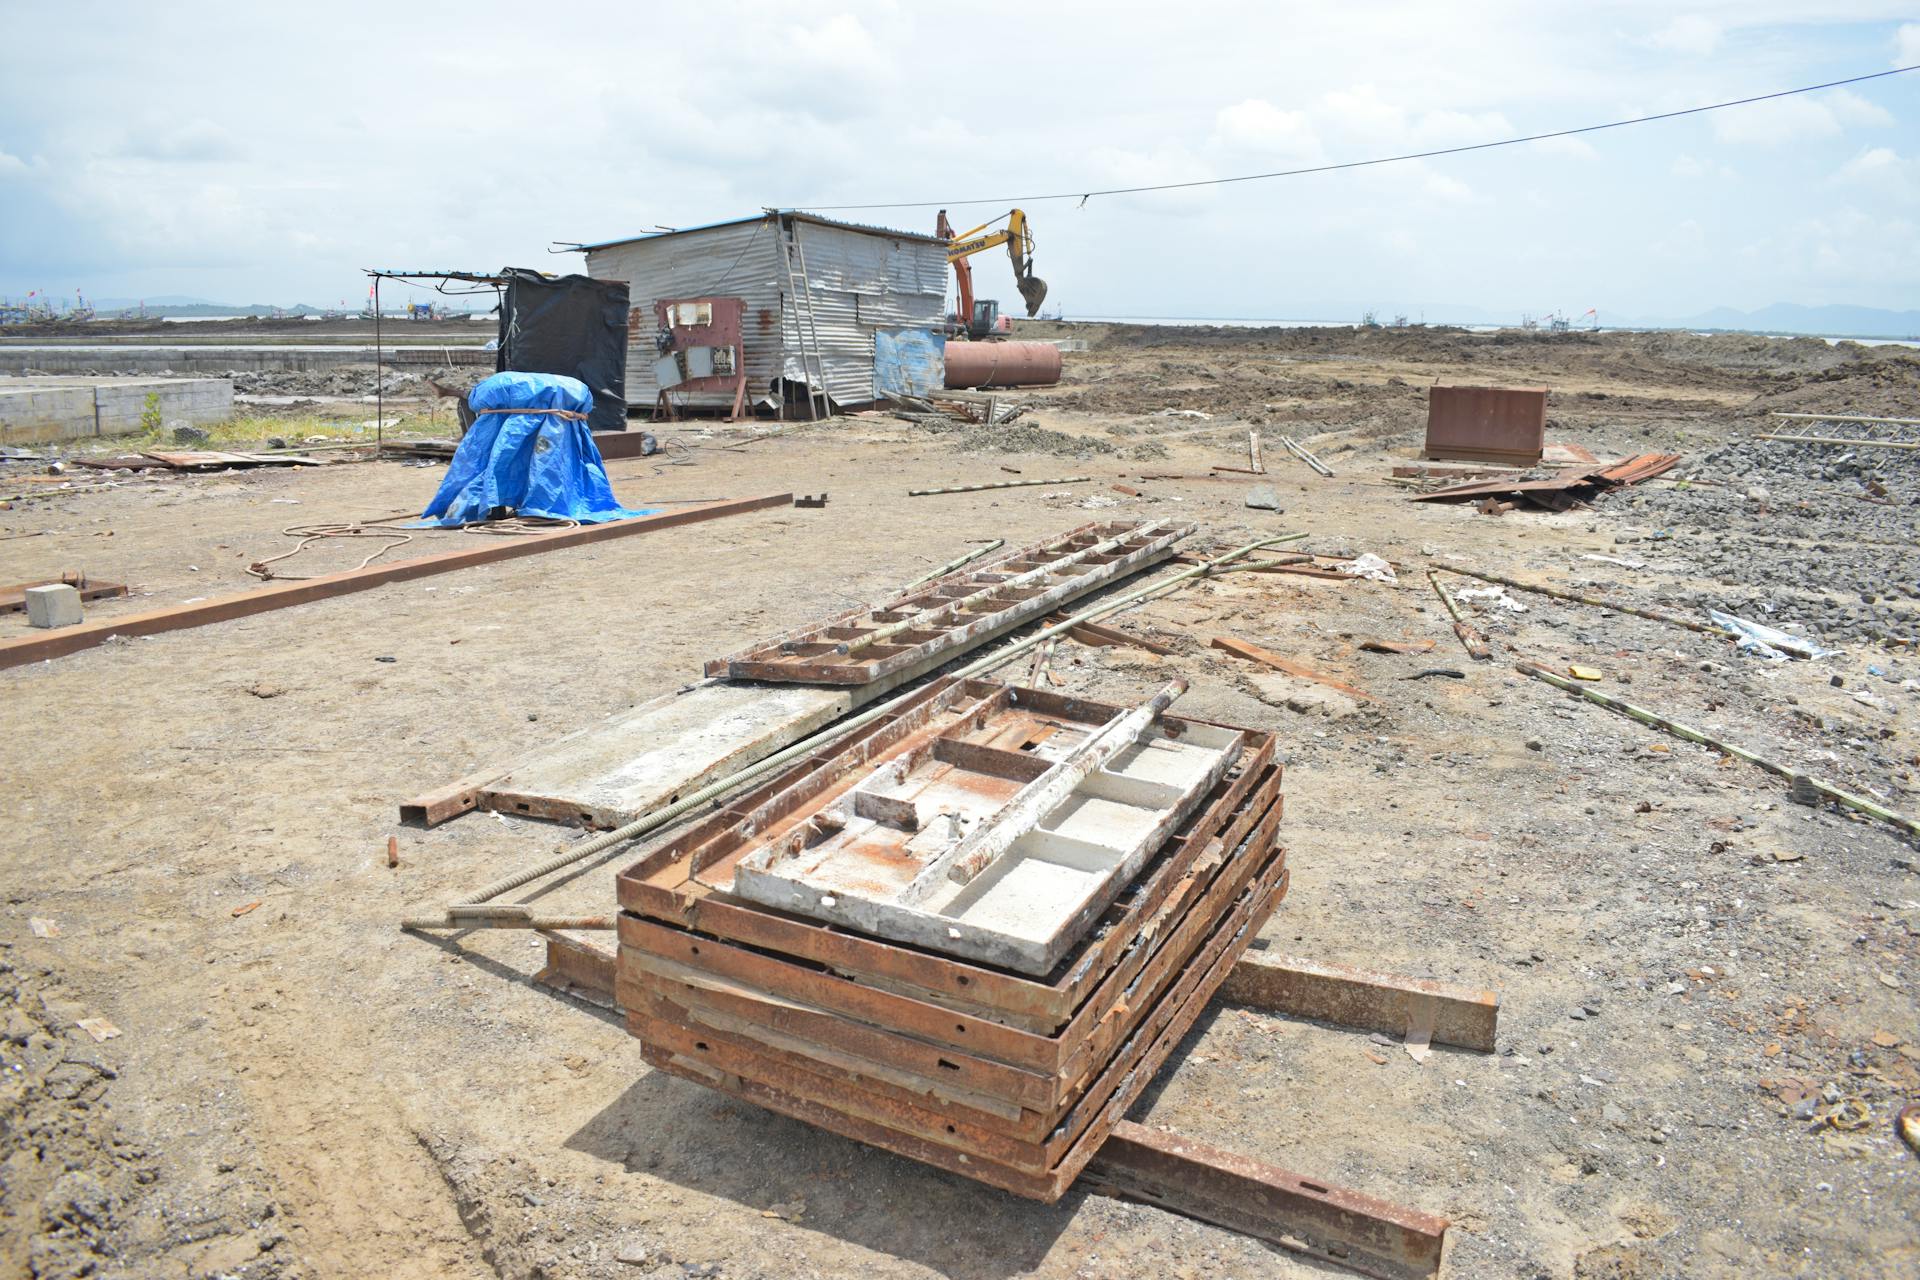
{"type": "Point", "coordinates": [537, 462]}
{"type": "Point", "coordinates": [1492, 595]}
{"type": "Point", "coordinates": [1371, 567]}
{"type": "Point", "coordinates": [1768, 642]}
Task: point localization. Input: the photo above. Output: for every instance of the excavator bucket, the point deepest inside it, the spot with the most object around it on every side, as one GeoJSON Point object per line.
{"type": "Point", "coordinates": [1034, 290]}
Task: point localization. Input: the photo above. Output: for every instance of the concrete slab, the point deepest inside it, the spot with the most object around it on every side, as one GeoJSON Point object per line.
{"type": "Point", "coordinates": [614, 772]}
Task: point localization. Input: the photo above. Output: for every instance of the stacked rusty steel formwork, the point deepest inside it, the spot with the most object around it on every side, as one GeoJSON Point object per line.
{"type": "Point", "coordinates": [1011, 1079]}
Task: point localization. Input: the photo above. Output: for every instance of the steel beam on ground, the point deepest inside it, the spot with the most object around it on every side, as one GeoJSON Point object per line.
{"type": "Point", "coordinates": [1334, 1224]}
{"type": "Point", "coordinates": [87, 635]}
{"type": "Point", "coordinates": [1362, 998]}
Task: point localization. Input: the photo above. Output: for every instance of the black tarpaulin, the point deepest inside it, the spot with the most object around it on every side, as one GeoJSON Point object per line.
{"type": "Point", "coordinates": [570, 325]}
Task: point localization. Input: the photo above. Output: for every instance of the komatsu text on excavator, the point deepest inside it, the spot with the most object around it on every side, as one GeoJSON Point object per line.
{"type": "Point", "coordinates": [981, 319]}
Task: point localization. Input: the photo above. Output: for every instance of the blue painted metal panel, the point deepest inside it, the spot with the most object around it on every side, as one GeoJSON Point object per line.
{"type": "Point", "coordinates": [909, 362]}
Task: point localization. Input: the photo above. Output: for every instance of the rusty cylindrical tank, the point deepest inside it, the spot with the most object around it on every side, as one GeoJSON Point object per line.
{"type": "Point", "coordinates": [1002, 364]}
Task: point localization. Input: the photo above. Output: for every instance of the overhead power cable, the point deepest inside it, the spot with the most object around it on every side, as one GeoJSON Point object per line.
{"type": "Point", "coordinates": [1084, 196]}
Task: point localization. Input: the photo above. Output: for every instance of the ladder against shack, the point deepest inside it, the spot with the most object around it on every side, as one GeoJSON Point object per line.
{"type": "Point", "coordinates": [999, 1035]}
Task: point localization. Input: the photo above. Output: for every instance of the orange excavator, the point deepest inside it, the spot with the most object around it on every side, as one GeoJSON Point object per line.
{"type": "Point", "coordinates": [981, 319]}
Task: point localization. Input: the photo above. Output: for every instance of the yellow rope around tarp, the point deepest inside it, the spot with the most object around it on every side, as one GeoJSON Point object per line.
{"type": "Point", "coordinates": [558, 413]}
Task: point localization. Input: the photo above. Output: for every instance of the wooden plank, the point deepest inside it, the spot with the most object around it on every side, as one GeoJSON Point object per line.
{"type": "Point", "coordinates": [1363, 998]}
{"type": "Point", "coordinates": [87, 635]}
{"type": "Point", "coordinates": [1254, 653]}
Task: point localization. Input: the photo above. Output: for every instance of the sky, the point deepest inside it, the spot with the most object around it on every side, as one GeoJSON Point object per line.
{"type": "Point", "coordinates": [268, 153]}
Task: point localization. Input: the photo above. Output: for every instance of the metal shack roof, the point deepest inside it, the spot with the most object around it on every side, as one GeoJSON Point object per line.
{"type": "Point", "coordinates": [796, 215]}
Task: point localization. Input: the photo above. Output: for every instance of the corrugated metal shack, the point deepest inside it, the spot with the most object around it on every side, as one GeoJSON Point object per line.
{"type": "Point", "coordinates": [808, 284]}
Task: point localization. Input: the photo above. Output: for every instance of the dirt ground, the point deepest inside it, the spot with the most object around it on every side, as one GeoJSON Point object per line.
{"type": "Point", "coordinates": [1701, 982]}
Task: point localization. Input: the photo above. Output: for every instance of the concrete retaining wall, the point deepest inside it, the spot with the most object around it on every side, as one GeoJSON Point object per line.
{"type": "Point", "coordinates": [65, 361]}
{"type": "Point", "coordinates": [36, 411]}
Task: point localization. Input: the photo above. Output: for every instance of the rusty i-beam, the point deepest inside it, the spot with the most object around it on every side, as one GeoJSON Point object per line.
{"type": "Point", "coordinates": [87, 635]}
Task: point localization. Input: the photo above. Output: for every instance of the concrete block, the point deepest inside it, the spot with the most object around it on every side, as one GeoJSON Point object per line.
{"type": "Point", "coordinates": [54, 605]}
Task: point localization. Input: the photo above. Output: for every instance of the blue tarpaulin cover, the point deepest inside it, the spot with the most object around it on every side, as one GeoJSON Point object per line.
{"type": "Point", "coordinates": [527, 464]}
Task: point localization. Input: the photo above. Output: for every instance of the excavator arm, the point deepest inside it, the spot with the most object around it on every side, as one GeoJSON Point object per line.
{"type": "Point", "coordinates": [1019, 241]}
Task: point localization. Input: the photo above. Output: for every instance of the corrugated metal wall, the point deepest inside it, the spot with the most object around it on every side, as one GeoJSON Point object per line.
{"type": "Point", "coordinates": [737, 261]}
{"type": "Point", "coordinates": [862, 281]}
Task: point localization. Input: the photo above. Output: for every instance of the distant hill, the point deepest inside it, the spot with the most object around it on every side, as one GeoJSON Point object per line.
{"type": "Point", "coordinates": [1830, 321]}
{"type": "Point", "coordinates": [175, 305]}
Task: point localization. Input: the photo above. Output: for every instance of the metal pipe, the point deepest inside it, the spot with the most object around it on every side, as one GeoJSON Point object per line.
{"type": "Point", "coordinates": [956, 563]}
{"type": "Point", "coordinates": [1678, 730]}
{"type": "Point", "coordinates": [1001, 364]}
{"type": "Point", "coordinates": [668, 814]}
{"type": "Point", "coordinates": [998, 484]}
{"type": "Point", "coordinates": [1598, 602]}
{"type": "Point", "coordinates": [379, 378]}
{"type": "Point", "coordinates": [954, 608]}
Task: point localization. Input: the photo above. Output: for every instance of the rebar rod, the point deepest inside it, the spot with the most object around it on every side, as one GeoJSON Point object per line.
{"type": "Point", "coordinates": [670, 813]}
{"type": "Point", "coordinates": [1845, 417]}
{"type": "Point", "coordinates": [1852, 444]}
{"type": "Point", "coordinates": [956, 563]}
{"type": "Point", "coordinates": [553, 923]}
{"type": "Point", "coordinates": [1678, 730]}
{"type": "Point", "coordinates": [954, 608]}
{"type": "Point", "coordinates": [1598, 602]}
{"type": "Point", "coordinates": [997, 484]}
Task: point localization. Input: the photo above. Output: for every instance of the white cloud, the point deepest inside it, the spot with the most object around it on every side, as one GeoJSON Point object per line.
{"type": "Point", "coordinates": [1850, 108]}
{"type": "Point", "coordinates": [1573, 148]}
{"type": "Point", "coordinates": [1123, 167]}
{"type": "Point", "coordinates": [1256, 125]}
{"type": "Point", "coordinates": [1456, 128]}
{"type": "Point", "coordinates": [1906, 45]}
{"type": "Point", "coordinates": [1882, 169]}
{"type": "Point", "coordinates": [1688, 166]}
{"type": "Point", "coordinates": [1440, 187]}
{"type": "Point", "coordinates": [11, 165]}
{"type": "Point", "coordinates": [1689, 33]}
{"type": "Point", "coordinates": [1360, 110]}
{"type": "Point", "coordinates": [1799, 119]}
{"type": "Point", "coordinates": [841, 43]}
{"type": "Point", "coordinates": [199, 140]}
